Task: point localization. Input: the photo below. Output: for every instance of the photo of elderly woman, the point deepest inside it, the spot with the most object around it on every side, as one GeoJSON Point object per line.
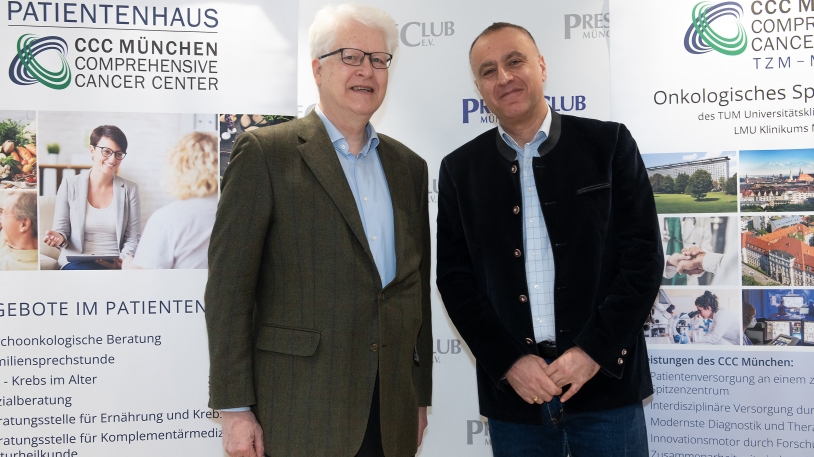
{"type": "Point", "coordinates": [177, 236]}
{"type": "Point", "coordinates": [97, 217]}
{"type": "Point", "coordinates": [18, 230]}
{"type": "Point", "coordinates": [103, 184]}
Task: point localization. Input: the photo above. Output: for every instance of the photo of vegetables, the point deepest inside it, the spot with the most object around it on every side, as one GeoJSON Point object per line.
{"type": "Point", "coordinates": [18, 150]}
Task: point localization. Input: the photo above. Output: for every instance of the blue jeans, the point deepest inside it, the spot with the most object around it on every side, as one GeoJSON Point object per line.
{"type": "Point", "coordinates": [616, 432]}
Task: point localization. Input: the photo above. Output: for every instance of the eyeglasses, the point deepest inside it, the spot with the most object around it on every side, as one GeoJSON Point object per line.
{"type": "Point", "coordinates": [107, 152]}
{"type": "Point", "coordinates": [355, 57]}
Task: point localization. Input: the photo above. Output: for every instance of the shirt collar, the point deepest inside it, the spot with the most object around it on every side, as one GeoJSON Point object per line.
{"type": "Point", "coordinates": [338, 140]}
{"type": "Point", "coordinates": [20, 255]}
{"type": "Point", "coordinates": [541, 135]}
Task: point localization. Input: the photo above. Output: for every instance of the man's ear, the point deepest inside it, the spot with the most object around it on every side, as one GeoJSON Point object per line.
{"type": "Point", "coordinates": [543, 67]}
{"type": "Point", "coordinates": [316, 68]}
{"type": "Point", "coordinates": [25, 225]}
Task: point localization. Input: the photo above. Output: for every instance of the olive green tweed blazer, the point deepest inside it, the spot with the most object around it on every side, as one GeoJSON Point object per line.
{"type": "Point", "coordinates": [298, 322]}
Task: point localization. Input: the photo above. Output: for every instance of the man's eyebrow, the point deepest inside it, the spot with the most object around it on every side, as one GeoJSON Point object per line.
{"type": "Point", "coordinates": [514, 54]}
{"type": "Point", "coordinates": [488, 63]}
{"type": "Point", "coordinates": [506, 57]}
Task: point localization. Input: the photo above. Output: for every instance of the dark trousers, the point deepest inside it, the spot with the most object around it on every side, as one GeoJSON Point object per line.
{"type": "Point", "coordinates": [372, 443]}
{"type": "Point", "coordinates": [616, 432]}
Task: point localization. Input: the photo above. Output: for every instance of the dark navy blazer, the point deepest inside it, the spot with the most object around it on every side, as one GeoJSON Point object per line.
{"type": "Point", "coordinates": [601, 218]}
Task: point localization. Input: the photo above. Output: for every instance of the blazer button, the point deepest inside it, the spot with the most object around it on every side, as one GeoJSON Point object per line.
{"type": "Point", "coordinates": [516, 210]}
{"type": "Point", "coordinates": [375, 347]}
{"type": "Point", "coordinates": [620, 361]}
{"type": "Point", "coordinates": [514, 168]}
{"type": "Point", "coordinates": [624, 351]}
{"type": "Point", "coordinates": [523, 299]}
{"type": "Point", "coordinates": [518, 252]}
{"type": "Point", "coordinates": [381, 296]}
{"type": "Point", "coordinates": [529, 341]}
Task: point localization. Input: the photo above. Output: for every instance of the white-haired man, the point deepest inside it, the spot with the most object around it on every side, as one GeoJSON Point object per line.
{"type": "Point", "coordinates": [318, 299]}
{"type": "Point", "coordinates": [18, 238]}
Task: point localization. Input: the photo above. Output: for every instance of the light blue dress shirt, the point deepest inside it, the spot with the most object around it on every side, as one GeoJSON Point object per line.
{"type": "Point", "coordinates": [369, 186]}
{"type": "Point", "coordinates": [368, 183]}
{"type": "Point", "coordinates": [539, 257]}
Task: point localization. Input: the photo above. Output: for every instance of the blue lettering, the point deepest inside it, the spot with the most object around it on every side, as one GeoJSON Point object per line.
{"type": "Point", "coordinates": [470, 106]}
{"type": "Point", "coordinates": [11, 10]}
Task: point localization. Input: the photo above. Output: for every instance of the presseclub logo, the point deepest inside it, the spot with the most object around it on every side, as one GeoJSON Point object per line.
{"type": "Point", "coordinates": [26, 70]}
{"type": "Point", "coordinates": [702, 37]}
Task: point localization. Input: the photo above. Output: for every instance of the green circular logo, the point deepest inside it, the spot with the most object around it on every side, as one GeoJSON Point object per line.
{"type": "Point", "coordinates": [701, 37]}
{"type": "Point", "coordinates": [26, 70]}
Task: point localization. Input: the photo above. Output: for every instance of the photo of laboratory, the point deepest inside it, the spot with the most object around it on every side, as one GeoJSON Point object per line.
{"type": "Point", "coordinates": [779, 317]}
{"type": "Point", "coordinates": [700, 251]}
{"type": "Point", "coordinates": [695, 316]}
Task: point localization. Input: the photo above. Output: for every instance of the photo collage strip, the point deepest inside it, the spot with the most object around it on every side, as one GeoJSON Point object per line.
{"type": "Point", "coordinates": [99, 191]}
{"type": "Point", "coordinates": [738, 237]}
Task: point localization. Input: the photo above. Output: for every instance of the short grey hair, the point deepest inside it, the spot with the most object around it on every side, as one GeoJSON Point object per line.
{"type": "Point", "coordinates": [331, 18]}
{"type": "Point", "coordinates": [25, 207]}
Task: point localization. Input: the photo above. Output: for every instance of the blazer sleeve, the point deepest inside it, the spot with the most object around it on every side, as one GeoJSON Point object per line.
{"type": "Point", "coordinates": [132, 226]}
{"type": "Point", "coordinates": [425, 340]}
{"type": "Point", "coordinates": [617, 323]}
{"type": "Point", "coordinates": [235, 259]}
{"type": "Point", "coordinates": [62, 211]}
{"type": "Point", "coordinates": [470, 310]}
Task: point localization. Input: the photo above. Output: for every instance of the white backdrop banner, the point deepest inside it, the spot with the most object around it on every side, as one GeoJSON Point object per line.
{"type": "Point", "coordinates": [719, 98]}
{"type": "Point", "coordinates": [433, 107]}
{"type": "Point", "coordinates": [98, 363]}
{"type": "Point", "coordinates": [149, 56]}
{"type": "Point", "coordinates": [101, 363]}
{"type": "Point", "coordinates": [95, 363]}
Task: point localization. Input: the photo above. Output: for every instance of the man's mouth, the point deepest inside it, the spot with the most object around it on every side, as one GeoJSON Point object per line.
{"type": "Point", "coordinates": [362, 89]}
{"type": "Point", "coordinates": [509, 92]}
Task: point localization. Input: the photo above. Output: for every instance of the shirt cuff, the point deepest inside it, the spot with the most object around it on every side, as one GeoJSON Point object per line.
{"type": "Point", "coordinates": [235, 410]}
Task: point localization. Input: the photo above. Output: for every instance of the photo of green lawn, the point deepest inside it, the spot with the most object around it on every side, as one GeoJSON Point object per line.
{"type": "Point", "coordinates": [714, 202]}
{"type": "Point", "coordinates": [693, 182]}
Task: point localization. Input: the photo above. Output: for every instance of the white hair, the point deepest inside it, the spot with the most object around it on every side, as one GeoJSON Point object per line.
{"type": "Point", "coordinates": [331, 18]}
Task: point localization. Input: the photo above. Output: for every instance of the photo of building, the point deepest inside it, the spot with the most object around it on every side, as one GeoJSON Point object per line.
{"type": "Point", "coordinates": [778, 256]}
{"type": "Point", "coordinates": [717, 167]}
{"type": "Point", "coordinates": [693, 182]}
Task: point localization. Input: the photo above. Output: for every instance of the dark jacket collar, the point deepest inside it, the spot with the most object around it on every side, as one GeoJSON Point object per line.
{"type": "Point", "coordinates": [553, 137]}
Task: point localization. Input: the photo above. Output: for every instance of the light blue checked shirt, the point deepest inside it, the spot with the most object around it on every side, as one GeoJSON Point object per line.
{"type": "Point", "coordinates": [537, 247]}
{"type": "Point", "coordinates": [366, 179]}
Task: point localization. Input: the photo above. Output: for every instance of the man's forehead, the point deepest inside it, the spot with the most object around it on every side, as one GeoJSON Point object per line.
{"type": "Point", "coordinates": [352, 28]}
{"type": "Point", "coordinates": [504, 43]}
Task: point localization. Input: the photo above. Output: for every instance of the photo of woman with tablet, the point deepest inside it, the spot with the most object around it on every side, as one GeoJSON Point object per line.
{"type": "Point", "coordinates": [97, 215]}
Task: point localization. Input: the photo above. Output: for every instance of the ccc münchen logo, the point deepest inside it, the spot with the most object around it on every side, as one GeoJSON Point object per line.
{"type": "Point", "coordinates": [702, 37]}
{"type": "Point", "coordinates": [26, 70]}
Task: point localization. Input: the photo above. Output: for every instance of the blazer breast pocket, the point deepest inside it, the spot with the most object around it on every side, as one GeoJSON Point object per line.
{"type": "Point", "coordinates": [594, 188]}
{"type": "Point", "coordinates": [287, 340]}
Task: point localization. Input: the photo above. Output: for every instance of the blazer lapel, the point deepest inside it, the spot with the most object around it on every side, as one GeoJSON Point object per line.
{"type": "Point", "coordinates": [82, 184]}
{"type": "Point", "coordinates": [398, 182]}
{"type": "Point", "coordinates": [118, 200]}
{"type": "Point", "coordinates": [319, 154]}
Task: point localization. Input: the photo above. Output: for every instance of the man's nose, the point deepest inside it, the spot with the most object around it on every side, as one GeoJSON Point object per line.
{"type": "Point", "coordinates": [504, 75]}
{"type": "Point", "coordinates": [366, 68]}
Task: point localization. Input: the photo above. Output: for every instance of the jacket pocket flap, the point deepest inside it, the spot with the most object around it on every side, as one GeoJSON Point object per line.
{"type": "Point", "coordinates": [286, 340]}
{"type": "Point", "coordinates": [593, 188]}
